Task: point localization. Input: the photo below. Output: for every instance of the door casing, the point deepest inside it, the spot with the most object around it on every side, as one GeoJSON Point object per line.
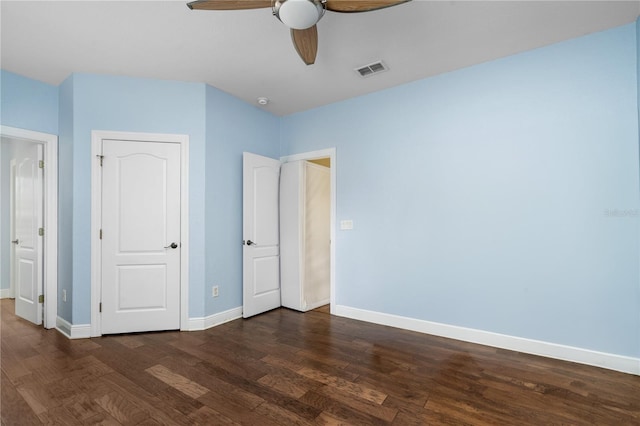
{"type": "Point", "coordinates": [12, 229]}
{"type": "Point", "coordinates": [50, 248]}
{"type": "Point", "coordinates": [97, 136]}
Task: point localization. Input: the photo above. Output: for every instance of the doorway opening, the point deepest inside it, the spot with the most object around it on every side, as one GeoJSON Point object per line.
{"type": "Point", "coordinates": [28, 223]}
{"type": "Point", "coordinates": [324, 159]}
{"type": "Point", "coordinates": [305, 242]}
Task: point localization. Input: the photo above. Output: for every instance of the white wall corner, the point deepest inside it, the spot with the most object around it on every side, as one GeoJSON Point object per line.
{"type": "Point", "coordinates": [203, 323]}
{"type": "Point", "coordinates": [615, 362]}
{"type": "Point", "coordinates": [80, 331]}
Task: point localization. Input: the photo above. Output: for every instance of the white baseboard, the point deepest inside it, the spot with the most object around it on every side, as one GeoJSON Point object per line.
{"type": "Point", "coordinates": [80, 331]}
{"type": "Point", "coordinates": [6, 293]}
{"type": "Point", "coordinates": [621, 363]}
{"type": "Point", "coordinates": [83, 331]}
{"type": "Point", "coordinates": [202, 323]}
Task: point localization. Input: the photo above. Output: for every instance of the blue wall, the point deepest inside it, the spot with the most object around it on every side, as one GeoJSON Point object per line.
{"type": "Point", "coordinates": [233, 127]}
{"type": "Point", "coordinates": [493, 197]}
{"type": "Point", "coordinates": [65, 198]}
{"type": "Point", "coordinates": [28, 104]}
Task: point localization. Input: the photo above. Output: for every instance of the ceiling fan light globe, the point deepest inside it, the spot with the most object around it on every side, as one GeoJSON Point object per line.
{"type": "Point", "coordinates": [298, 14]}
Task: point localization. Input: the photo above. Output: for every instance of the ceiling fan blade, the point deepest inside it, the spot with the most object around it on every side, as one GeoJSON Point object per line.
{"type": "Point", "coordinates": [306, 43]}
{"type": "Point", "coordinates": [352, 6]}
{"type": "Point", "coordinates": [228, 4]}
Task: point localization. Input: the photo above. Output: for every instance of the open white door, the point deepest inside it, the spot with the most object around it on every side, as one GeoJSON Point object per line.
{"type": "Point", "coordinates": [261, 245]}
{"type": "Point", "coordinates": [140, 236]}
{"type": "Point", "coordinates": [28, 216]}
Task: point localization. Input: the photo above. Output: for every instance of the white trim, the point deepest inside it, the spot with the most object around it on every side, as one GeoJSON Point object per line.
{"type": "Point", "coordinates": [97, 136]}
{"type": "Point", "coordinates": [202, 323]}
{"type": "Point", "coordinates": [50, 271]}
{"type": "Point", "coordinates": [621, 363]}
{"type": "Point", "coordinates": [81, 331]}
{"type": "Point", "coordinates": [6, 293]}
{"type": "Point", "coordinates": [12, 227]}
{"type": "Point", "coordinates": [313, 155]}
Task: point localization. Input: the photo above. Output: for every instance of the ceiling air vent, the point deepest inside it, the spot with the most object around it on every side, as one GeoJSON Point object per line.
{"type": "Point", "coordinates": [371, 69]}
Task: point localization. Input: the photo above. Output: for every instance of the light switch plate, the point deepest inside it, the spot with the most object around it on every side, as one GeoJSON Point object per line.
{"type": "Point", "coordinates": [346, 224]}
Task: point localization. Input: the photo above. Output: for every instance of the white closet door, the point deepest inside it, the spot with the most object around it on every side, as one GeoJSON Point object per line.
{"type": "Point", "coordinates": [28, 205]}
{"type": "Point", "coordinates": [140, 236]}
{"type": "Point", "coordinates": [261, 249]}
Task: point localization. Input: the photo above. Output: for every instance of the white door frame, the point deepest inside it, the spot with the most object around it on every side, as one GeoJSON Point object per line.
{"type": "Point", "coordinates": [12, 229]}
{"type": "Point", "coordinates": [314, 155]}
{"type": "Point", "coordinates": [50, 246]}
{"type": "Point", "coordinates": [97, 136]}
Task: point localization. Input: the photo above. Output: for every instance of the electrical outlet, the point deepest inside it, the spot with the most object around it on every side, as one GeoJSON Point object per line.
{"type": "Point", "coordinates": [64, 295]}
{"type": "Point", "coordinates": [214, 291]}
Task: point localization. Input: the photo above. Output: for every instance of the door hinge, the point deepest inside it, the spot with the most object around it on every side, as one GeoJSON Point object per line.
{"type": "Point", "coordinates": [41, 232]}
{"type": "Point", "coordinates": [41, 298]}
{"type": "Point", "coordinates": [100, 307]}
{"type": "Point", "coordinates": [100, 157]}
{"type": "Point", "coordinates": [41, 164]}
{"type": "Point", "coordinates": [101, 234]}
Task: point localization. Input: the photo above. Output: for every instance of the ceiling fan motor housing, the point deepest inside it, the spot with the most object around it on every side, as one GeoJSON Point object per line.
{"type": "Point", "coordinates": [299, 14]}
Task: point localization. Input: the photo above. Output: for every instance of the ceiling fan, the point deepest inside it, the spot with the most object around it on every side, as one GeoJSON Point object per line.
{"type": "Point", "coordinates": [299, 15]}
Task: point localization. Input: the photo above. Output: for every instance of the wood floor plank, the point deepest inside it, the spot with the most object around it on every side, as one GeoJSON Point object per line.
{"type": "Point", "coordinates": [337, 410]}
{"type": "Point", "coordinates": [208, 416]}
{"type": "Point", "coordinates": [121, 408]}
{"type": "Point", "coordinates": [157, 408]}
{"type": "Point", "coordinates": [264, 392]}
{"type": "Point", "coordinates": [231, 410]}
{"type": "Point", "coordinates": [295, 364]}
{"type": "Point", "coordinates": [39, 398]}
{"type": "Point", "coordinates": [184, 385]}
{"type": "Point", "coordinates": [59, 416]}
{"type": "Point", "coordinates": [284, 385]}
{"type": "Point", "coordinates": [344, 385]}
{"type": "Point", "coordinates": [327, 419]}
{"type": "Point", "coordinates": [280, 415]}
{"type": "Point", "coordinates": [362, 405]}
{"type": "Point", "coordinates": [82, 407]}
{"type": "Point", "coordinates": [14, 409]}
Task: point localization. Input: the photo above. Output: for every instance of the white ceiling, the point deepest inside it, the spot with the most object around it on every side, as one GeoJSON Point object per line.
{"type": "Point", "coordinates": [249, 53]}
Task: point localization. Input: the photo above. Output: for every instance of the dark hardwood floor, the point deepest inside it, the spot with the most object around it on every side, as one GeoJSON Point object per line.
{"type": "Point", "coordinates": [285, 367]}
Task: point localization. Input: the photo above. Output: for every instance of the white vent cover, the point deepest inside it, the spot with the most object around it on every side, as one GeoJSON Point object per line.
{"type": "Point", "coordinates": [371, 69]}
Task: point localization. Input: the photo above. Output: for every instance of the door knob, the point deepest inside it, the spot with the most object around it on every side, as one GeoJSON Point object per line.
{"type": "Point", "coordinates": [172, 245]}
{"type": "Point", "coordinates": [16, 241]}
{"type": "Point", "coordinates": [250, 243]}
